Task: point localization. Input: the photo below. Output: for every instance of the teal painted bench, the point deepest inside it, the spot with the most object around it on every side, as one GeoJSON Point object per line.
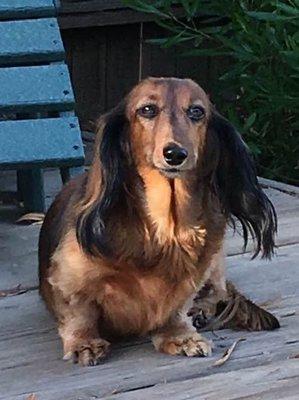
{"type": "Point", "coordinates": [36, 89]}
{"type": "Point", "coordinates": [38, 128]}
{"type": "Point", "coordinates": [61, 147]}
{"type": "Point", "coordinates": [30, 40]}
{"type": "Point", "coordinates": [14, 9]}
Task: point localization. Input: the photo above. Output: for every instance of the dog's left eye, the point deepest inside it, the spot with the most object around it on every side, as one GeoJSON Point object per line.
{"type": "Point", "coordinates": [148, 111]}
{"type": "Point", "coordinates": [195, 113]}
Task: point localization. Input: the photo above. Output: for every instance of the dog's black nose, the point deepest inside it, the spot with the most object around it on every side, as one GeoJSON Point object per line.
{"type": "Point", "coordinates": [174, 154]}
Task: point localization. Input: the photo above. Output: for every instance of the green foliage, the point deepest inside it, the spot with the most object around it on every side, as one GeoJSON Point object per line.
{"type": "Point", "coordinates": [261, 38]}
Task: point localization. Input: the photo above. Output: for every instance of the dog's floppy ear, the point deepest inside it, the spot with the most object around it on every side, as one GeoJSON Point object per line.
{"type": "Point", "coordinates": [238, 189]}
{"type": "Point", "coordinates": [116, 170]}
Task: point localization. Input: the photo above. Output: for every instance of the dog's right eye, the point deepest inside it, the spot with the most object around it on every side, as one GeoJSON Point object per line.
{"type": "Point", "coordinates": [148, 111]}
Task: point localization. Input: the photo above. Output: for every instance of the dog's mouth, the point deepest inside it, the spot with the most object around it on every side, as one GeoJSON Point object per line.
{"type": "Point", "coordinates": [170, 172]}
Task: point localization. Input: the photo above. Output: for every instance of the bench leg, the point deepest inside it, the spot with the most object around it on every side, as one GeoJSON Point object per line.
{"type": "Point", "coordinates": [69, 173]}
{"type": "Point", "coordinates": [31, 188]}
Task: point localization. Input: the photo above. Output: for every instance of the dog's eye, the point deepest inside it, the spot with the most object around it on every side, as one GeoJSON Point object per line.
{"type": "Point", "coordinates": [148, 111]}
{"type": "Point", "coordinates": [195, 113]}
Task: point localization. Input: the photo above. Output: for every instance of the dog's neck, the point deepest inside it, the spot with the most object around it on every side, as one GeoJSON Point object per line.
{"type": "Point", "coordinates": [172, 205]}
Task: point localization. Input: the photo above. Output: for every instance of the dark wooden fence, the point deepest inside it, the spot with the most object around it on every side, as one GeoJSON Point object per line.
{"type": "Point", "coordinates": [107, 57]}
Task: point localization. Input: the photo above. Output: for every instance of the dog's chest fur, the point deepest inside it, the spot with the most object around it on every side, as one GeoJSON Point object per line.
{"type": "Point", "coordinates": [175, 232]}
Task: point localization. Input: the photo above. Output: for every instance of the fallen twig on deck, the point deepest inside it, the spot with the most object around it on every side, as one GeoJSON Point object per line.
{"type": "Point", "coordinates": [227, 353]}
{"type": "Point", "coordinates": [13, 291]}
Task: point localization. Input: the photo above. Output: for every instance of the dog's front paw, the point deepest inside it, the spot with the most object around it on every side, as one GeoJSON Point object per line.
{"type": "Point", "coordinates": [88, 352]}
{"type": "Point", "coordinates": [190, 344]}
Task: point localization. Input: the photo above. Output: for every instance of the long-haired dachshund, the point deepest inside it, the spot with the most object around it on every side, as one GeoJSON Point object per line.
{"type": "Point", "coordinates": [125, 247]}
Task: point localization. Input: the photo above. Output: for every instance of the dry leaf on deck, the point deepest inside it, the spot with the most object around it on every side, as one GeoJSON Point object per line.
{"type": "Point", "coordinates": [227, 353]}
{"type": "Point", "coordinates": [32, 396]}
{"type": "Point", "coordinates": [31, 219]}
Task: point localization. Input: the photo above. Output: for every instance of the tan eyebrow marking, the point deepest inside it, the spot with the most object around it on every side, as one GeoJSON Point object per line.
{"type": "Point", "coordinates": [198, 102]}
{"type": "Point", "coordinates": [146, 100]}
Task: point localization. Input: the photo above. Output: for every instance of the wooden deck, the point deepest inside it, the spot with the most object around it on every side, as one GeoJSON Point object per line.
{"type": "Point", "coordinates": [261, 367]}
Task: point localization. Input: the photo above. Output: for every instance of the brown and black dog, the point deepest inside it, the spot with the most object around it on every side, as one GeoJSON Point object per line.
{"type": "Point", "coordinates": [125, 247]}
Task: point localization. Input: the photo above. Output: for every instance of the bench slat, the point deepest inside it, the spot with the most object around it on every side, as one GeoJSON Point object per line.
{"type": "Point", "coordinates": [30, 41]}
{"type": "Point", "coordinates": [12, 9]}
{"type": "Point", "coordinates": [41, 142]}
{"type": "Point", "coordinates": [34, 89]}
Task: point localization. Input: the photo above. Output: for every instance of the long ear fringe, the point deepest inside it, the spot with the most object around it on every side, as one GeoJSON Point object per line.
{"type": "Point", "coordinates": [117, 170]}
{"type": "Point", "coordinates": [237, 187]}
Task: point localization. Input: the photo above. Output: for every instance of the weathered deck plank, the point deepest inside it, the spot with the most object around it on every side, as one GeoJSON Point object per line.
{"type": "Point", "coordinates": [269, 381]}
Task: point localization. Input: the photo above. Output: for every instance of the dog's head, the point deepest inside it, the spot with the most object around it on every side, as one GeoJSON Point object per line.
{"type": "Point", "coordinates": [169, 125]}
{"type": "Point", "coordinates": [168, 120]}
